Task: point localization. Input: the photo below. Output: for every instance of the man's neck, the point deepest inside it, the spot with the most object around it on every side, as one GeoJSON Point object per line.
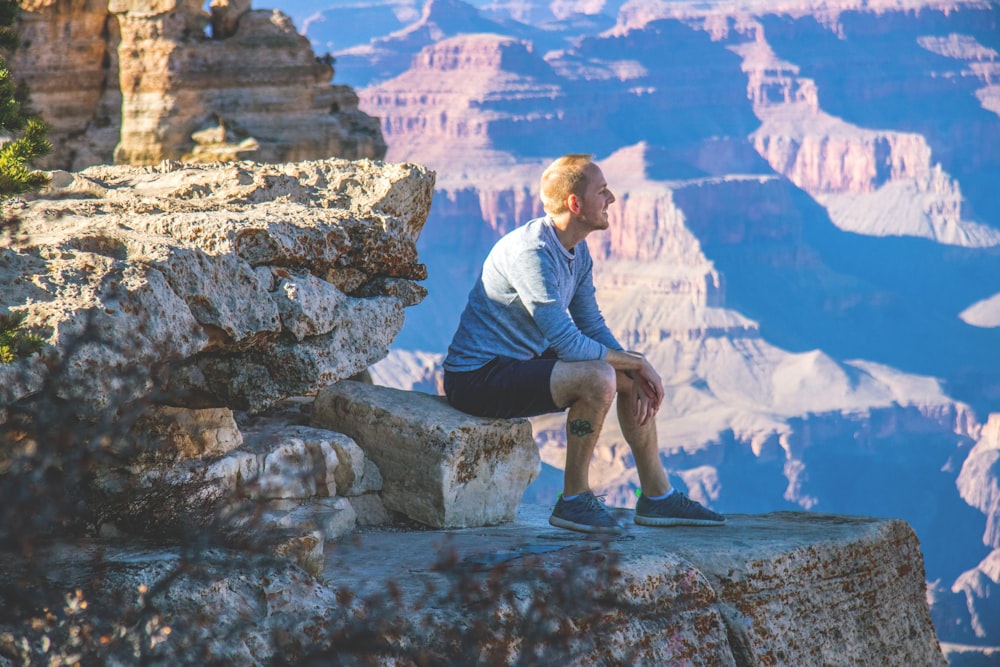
{"type": "Point", "coordinates": [569, 234]}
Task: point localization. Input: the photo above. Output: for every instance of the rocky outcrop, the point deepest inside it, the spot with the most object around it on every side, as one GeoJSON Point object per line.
{"type": "Point", "coordinates": [778, 169]}
{"type": "Point", "coordinates": [741, 595]}
{"type": "Point", "coordinates": [219, 604]}
{"type": "Point", "coordinates": [786, 588]}
{"type": "Point", "coordinates": [387, 54]}
{"type": "Point", "coordinates": [176, 82]}
{"type": "Point", "coordinates": [872, 181]}
{"type": "Point", "coordinates": [441, 467]}
{"type": "Point", "coordinates": [271, 483]}
{"type": "Point", "coordinates": [238, 285]}
{"type": "Point", "coordinates": [252, 89]}
{"type": "Point", "coordinates": [440, 107]}
{"type": "Point", "coordinates": [979, 589]}
{"type": "Point", "coordinates": [189, 299]}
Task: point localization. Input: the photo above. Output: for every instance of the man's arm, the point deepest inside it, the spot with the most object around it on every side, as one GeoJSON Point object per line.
{"type": "Point", "coordinates": [583, 307]}
{"type": "Point", "coordinates": [536, 285]}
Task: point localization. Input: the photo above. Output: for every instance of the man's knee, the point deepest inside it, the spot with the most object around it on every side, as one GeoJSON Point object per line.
{"type": "Point", "coordinates": [592, 381]}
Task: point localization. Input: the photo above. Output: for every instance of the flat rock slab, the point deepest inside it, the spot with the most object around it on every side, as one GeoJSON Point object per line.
{"type": "Point", "coordinates": [775, 589]}
{"type": "Point", "coordinates": [439, 466]}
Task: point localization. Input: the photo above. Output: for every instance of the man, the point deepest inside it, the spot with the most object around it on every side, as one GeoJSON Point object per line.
{"type": "Point", "coordinates": [532, 340]}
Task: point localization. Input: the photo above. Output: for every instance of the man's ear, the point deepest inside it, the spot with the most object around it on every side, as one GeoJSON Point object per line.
{"type": "Point", "coordinates": [573, 204]}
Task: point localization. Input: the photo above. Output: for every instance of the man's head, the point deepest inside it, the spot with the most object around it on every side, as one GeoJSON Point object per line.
{"type": "Point", "coordinates": [566, 176]}
{"type": "Point", "coordinates": [575, 193]}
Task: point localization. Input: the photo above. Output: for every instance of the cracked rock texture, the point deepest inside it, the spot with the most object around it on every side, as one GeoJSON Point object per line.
{"type": "Point", "coordinates": [235, 285]}
{"type": "Point", "coordinates": [788, 588]}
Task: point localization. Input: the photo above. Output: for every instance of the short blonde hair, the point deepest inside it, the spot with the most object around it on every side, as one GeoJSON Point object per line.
{"type": "Point", "coordinates": [564, 177]}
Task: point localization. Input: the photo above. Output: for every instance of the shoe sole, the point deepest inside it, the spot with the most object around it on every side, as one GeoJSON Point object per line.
{"type": "Point", "coordinates": [673, 521]}
{"type": "Point", "coordinates": [559, 522]}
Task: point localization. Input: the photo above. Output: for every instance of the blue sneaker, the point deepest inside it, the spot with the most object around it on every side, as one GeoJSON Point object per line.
{"type": "Point", "coordinates": [675, 510]}
{"type": "Point", "coordinates": [585, 513]}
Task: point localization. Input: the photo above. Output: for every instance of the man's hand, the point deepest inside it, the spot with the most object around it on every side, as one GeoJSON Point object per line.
{"type": "Point", "coordinates": [646, 393]}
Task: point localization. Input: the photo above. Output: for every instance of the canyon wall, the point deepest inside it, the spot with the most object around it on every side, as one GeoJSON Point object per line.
{"type": "Point", "coordinates": [68, 55]}
{"type": "Point", "coordinates": [139, 82]}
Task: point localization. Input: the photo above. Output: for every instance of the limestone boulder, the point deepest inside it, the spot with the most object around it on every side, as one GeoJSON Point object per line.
{"type": "Point", "coordinates": [299, 530]}
{"type": "Point", "coordinates": [219, 286]}
{"type": "Point", "coordinates": [439, 466]}
{"type": "Point", "coordinates": [189, 434]}
{"type": "Point", "coordinates": [272, 487]}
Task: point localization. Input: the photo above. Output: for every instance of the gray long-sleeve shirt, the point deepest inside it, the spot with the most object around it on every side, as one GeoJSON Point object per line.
{"type": "Point", "coordinates": [533, 295]}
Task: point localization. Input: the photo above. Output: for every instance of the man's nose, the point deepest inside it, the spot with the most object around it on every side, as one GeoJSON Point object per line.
{"type": "Point", "coordinates": [611, 197]}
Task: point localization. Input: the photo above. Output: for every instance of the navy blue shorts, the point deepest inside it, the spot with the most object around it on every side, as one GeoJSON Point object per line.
{"type": "Point", "coordinates": [504, 387]}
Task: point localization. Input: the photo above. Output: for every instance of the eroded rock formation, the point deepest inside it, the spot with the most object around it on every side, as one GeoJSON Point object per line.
{"type": "Point", "coordinates": [214, 294]}
{"type": "Point", "coordinates": [979, 480]}
{"type": "Point", "coordinates": [741, 595]}
{"type": "Point", "coordinates": [239, 285]}
{"type": "Point", "coordinates": [68, 56]}
{"type": "Point", "coordinates": [780, 589]}
{"type": "Point", "coordinates": [137, 82]}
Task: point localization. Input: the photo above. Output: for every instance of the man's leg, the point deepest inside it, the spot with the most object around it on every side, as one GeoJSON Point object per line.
{"type": "Point", "coordinates": [659, 505]}
{"type": "Point", "coordinates": [588, 388]}
{"type": "Point", "coordinates": [642, 440]}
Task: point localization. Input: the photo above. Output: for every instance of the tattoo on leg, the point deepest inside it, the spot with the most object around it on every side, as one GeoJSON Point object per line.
{"type": "Point", "coordinates": [580, 427]}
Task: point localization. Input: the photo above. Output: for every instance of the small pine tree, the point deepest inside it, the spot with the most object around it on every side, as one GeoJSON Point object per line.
{"type": "Point", "coordinates": [27, 131]}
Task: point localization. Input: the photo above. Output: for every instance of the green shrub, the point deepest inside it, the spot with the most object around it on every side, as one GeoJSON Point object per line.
{"type": "Point", "coordinates": [16, 342]}
{"type": "Point", "coordinates": [25, 130]}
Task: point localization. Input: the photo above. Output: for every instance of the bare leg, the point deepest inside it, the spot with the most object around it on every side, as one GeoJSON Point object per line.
{"type": "Point", "coordinates": [642, 440]}
{"type": "Point", "coordinates": [588, 388]}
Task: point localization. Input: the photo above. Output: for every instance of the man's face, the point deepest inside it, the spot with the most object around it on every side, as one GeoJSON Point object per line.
{"type": "Point", "coordinates": [595, 199]}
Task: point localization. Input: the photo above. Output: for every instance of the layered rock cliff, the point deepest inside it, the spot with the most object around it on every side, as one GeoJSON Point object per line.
{"type": "Point", "coordinates": [68, 55]}
{"type": "Point", "coordinates": [778, 589]}
{"type": "Point", "coordinates": [968, 605]}
{"type": "Point", "coordinates": [140, 82]}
